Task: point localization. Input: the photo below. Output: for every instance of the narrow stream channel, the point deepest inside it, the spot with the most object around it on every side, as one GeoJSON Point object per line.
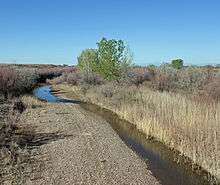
{"type": "Point", "coordinates": [159, 158]}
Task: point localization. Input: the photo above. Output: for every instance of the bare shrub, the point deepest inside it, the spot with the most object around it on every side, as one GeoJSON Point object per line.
{"type": "Point", "coordinates": [193, 79]}
{"type": "Point", "coordinates": [8, 79]}
{"type": "Point", "coordinates": [138, 78]}
{"type": "Point", "coordinates": [165, 78]}
{"type": "Point", "coordinates": [52, 72]}
{"type": "Point", "coordinates": [26, 81]}
{"type": "Point", "coordinates": [77, 78]}
{"type": "Point", "coordinates": [213, 89]}
{"type": "Point", "coordinates": [84, 88]}
{"type": "Point", "coordinates": [91, 79]}
{"type": "Point", "coordinates": [14, 82]}
{"type": "Point", "coordinates": [72, 78]}
{"type": "Point", "coordinates": [107, 92]}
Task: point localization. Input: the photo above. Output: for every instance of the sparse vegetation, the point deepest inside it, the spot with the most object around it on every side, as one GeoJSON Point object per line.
{"type": "Point", "coordinates": [8, 79]}
{"type": "Point", "coordinates": [17, 161]}
{"type": "Point", "coordinates": [16, 80]}
{"type": "Point", "coordinates": [52, 72]}
{"type": "Point", "coordinates": [76, 78]}
{"type": "Point", "coordinates": [176, 105]}
{"type": "Point", "coordinates": [184, 122]}
{"type": "Point", "coordinates": [16, 164]}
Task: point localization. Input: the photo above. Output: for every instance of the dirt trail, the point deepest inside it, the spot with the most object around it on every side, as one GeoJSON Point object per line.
{"type": "Point", "coordinates": [81, 148]}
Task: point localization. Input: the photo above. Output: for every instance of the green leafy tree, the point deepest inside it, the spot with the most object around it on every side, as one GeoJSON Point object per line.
{"type": "Point", "coordinates": [177, 64]}
{"type": "Point", "coordinates": [88, 60]}
{"type": "Point", "coordinates": [113, 58]}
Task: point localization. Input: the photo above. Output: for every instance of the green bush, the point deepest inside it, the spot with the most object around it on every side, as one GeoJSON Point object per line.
{"type": "Point", "coordinates": [177, 64]}
{"type": "Point", "coordinates": [88, 60]}
{"type": "Point", "coordinates": [111, 60]}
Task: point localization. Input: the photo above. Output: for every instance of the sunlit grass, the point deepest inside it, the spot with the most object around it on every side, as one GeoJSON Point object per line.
{"type": "Point", "coordinates": [188, 124]}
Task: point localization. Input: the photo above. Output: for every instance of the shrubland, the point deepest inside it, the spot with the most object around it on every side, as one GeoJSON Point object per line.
{"type": "Point", "coordinates": [17, 154]}
{"type": "Point", "coordinates": [185, 119]}
{"type": "Point", "coordinates": [175, 104]}
{"type": "Point", "coordinates": [17, 80]}
{"type": "Point", "coordinates": [186, 123]}
{"type": "Point", "coordinates": [14, 155]}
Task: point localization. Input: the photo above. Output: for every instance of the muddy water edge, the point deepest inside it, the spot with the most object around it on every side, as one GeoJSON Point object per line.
{"type": "Point", "coordinates": [168, 166]}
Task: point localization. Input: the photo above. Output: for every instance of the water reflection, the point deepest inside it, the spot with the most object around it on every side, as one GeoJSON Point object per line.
{"type": "Point", "coordinates": [44, 93]}
{"type": "Point", "coordinates": [158, 157]}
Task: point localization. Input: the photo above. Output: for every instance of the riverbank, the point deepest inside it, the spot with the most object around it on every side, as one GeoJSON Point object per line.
{"type": "Point", "coordinates": [173, 136]}
{"type": "Point", "coordinates": [17, 154]}
{"type": "Point", "coordinates": [78, 147]}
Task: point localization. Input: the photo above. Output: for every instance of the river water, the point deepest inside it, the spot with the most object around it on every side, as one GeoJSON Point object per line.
{"type": "Point", "coordinates": [161, 161]}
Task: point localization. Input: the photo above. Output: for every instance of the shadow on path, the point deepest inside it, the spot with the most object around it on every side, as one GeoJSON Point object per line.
{"type": "Point", "coordinates": [32, 140]}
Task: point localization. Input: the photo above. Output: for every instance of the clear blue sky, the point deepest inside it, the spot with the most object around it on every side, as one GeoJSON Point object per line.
{"type": "Point", "coordinates": [55, 31]}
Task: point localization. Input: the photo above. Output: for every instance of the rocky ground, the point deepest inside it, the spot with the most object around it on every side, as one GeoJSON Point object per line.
{"type": "Point", "coordinates": [78, 147]}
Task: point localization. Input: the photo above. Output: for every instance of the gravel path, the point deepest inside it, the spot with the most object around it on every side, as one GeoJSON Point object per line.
{"type": "Point", "coordinates": [81, 148]}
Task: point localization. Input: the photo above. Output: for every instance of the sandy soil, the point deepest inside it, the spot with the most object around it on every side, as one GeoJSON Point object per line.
{"type": "Point", "coordinates": [78, 147]}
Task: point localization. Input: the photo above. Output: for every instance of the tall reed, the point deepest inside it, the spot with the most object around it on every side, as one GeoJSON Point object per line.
{"type": "Point", "coordinates": [188, 124]}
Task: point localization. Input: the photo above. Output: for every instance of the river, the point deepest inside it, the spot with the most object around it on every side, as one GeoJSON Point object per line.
{"type": "Point", "coordinates": [161, 161]}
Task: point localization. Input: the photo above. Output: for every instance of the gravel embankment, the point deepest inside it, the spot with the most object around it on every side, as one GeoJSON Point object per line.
{"type": "Point", "coordinates": [81, 148]}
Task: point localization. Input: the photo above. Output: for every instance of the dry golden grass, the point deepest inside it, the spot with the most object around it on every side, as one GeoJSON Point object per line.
{"type": "Point", "coordinates": [32, 102]}
{"type": "Point", "coordinates": [187, 124]}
